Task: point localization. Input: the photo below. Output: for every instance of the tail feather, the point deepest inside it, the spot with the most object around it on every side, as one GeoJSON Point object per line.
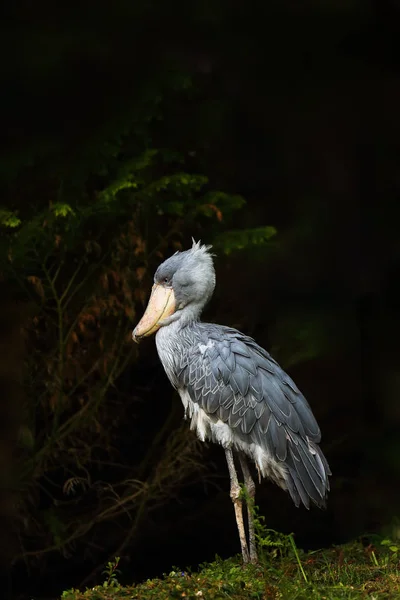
{"type": "Point", "coordinates": [307, 474]}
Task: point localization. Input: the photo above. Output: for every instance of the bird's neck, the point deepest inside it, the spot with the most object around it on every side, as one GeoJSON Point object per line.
{"type": "Point", "coordinates": [190, 314]}
{"type": "Point", "coordinates": [173, 342]}
{"type": "Point", "coordinates": [179, 323]}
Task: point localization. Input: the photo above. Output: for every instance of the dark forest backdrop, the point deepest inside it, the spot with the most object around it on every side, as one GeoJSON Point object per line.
{"type": "Point", "coordinates": [271, 130]}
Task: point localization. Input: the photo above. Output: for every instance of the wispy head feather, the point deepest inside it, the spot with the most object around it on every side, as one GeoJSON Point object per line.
{"type": "Point", "coordinates": [198, 247]}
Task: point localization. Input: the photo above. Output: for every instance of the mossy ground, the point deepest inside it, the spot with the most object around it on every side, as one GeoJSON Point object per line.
{"type": "Point", "coordinates": [348, 572]}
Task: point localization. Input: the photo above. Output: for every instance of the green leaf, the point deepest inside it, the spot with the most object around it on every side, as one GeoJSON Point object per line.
{"type": "Point", "coordinates": [112, 190]}
{"type": "Point", "coordinates": [62, 210]}
{"type": "Point", "coordinates": [9, 219]}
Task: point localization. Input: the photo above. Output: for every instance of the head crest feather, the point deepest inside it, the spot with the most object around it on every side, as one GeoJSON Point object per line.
{"type": "Point", "coordinates": [198, 247]}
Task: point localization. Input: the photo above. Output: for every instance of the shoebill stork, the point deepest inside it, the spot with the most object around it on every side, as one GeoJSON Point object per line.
{"type": "Point", "coordinates": [234, 393]}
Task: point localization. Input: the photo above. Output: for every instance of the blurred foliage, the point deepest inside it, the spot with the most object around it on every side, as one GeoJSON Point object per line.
{"type": "Point", "coordinates": [9, 219]}
{"type": "Point", "coordinates": [83, 262]}
{"type": "Point", "coordinates": [243, 239]}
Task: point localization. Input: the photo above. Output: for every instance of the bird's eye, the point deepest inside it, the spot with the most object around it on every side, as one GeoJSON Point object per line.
{"type": "Point", "coordinates": [166, 279]}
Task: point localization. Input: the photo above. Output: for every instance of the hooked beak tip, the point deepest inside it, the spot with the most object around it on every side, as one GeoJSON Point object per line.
{"type": "Point", "coordinates": [136, 338]}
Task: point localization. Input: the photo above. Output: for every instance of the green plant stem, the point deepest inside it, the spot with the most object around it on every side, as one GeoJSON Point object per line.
{"type": "Point", "coordinates": [297, 557]}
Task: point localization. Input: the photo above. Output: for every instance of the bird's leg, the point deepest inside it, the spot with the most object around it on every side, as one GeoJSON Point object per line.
{"type": "Point", "coordinates": [237, 503]}
{"type": "Point", "coordinates": [251, 492]}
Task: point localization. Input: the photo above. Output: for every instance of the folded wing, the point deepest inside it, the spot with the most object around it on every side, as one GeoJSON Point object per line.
{"type": "Point", "coordinates": [235, 381]}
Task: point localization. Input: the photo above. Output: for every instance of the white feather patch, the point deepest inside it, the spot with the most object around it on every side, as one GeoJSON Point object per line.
{"type": "Point", "coordinates": [220, 433]}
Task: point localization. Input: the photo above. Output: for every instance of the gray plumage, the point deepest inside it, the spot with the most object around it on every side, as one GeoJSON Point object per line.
{"type": "Point", "coordinates": [233, 391]}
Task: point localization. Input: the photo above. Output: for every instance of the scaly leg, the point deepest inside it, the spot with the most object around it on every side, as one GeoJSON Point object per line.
{"type": "Point", "coordinates": [251, 492]}
{"type": "Point", "coordinates": [237, 504]}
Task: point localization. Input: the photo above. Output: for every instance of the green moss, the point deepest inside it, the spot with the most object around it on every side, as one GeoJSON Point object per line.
{"type": "Point", "coordinates": [345, 572]}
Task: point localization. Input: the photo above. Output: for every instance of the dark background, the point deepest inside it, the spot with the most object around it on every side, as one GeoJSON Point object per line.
{"type": "Point", "coordinates": [292, 105]}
